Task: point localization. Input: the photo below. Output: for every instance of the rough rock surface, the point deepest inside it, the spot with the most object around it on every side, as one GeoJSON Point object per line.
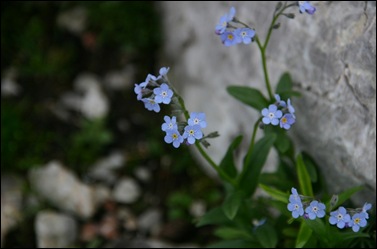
{"type": "Point", "coordinates": [54, 230]}
{"type": "Point", "coordinates": [331, 55]}
{"type": "Point", "coordinates": [63, 189]}
{"type": "Point", "coordinates": [11, 203]}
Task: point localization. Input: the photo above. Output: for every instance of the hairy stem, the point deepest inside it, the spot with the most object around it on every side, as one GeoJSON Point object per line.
{"type": "Point", "coordinates": [199, 147]}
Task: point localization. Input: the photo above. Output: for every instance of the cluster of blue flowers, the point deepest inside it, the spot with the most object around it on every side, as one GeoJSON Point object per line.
{"type": "Point", "coordinates": [232, 31]}
{"type": "Point", "coordinates": [229, 33]}
{"type": "Point", "coordinates": [285, 116]}
{"type": "Point", "coordinates": [354, 218]}
{"type": "Point", "coordinates": [191, 131]}
{"type": "Point", "coordinates": [155, 91]}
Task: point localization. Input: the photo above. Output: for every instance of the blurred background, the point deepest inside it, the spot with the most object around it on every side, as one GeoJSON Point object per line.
{"type": "Point", "coordinates": [83, 163]}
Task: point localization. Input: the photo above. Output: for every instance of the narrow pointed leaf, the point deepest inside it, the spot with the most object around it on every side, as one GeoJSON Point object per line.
{"type": "Point", "coordinates": [227, 164]}
{"type": "Point", "coordinates": [275, 193]}
{"type": "Point", "coordinates": [303, 177]}
{"type": "Point", "coordinates": [266, 235]}
{"type": "Point", "coordinates": [249, 96]}
{"type": "Point", "coordinates": [213, 217]}
{"type": "Point", "coordinates": [345, 195]}
{"type": "Point", "coordinates": [304, 235]}
{"type": "Point", "coordinates": [232, 203]}
{"type": "Point", "coordinates": [254, 163]}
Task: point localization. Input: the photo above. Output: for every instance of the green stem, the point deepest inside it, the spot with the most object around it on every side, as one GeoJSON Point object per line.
{"type": "Point", "coordinates": [263, 47]}
{"type": "Point", "coordinates": [264, 64]}
{"type": "Point", "coordinates": [199, 147]}
{"type": "Point", "coordinates": [252, 142]}
{"type": "Point", "coordinates": [214, 165]}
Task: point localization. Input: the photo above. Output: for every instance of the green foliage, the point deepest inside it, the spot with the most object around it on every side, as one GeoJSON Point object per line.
{"type": "Point", "coordinates": [178, 205]}
{"type": "Point", "coordinates": [119, 24]}
{"type": "Point", "coordinates": [249, 96]}
{"type": "Point", "coordinates": [212, 217]}
{"type": "Point", "coordinates": [23, 145]}
{"type": "Point", "coordinates": [227, 164]}
{"type": "Point", "coordinates": [33, 45]}
{"type": "Point", "coordinates": [232, 203]}
{"type": "Point", "coordinates": [87, 143]}
{"type": "Point", "coordinates": [284, 87]}
{"type": "Point", "coordinates": [303, 177]}
{"type": "Point", "coordinates": [248, 180]}
{"type": "Point", "coordinates": [267, 236]}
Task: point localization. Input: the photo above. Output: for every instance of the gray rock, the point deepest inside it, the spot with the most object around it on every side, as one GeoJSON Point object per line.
{"type": "Point", "coordinates": [65, 191]}
{"type": "Point", "coordinates": [104, 168]}
{"type": "Point", "coordinates": [11, 203]}
{"type": "Point", "coordinates": [150, 221]}
{"type": "Point", "coordinates": [331, 55]}
{"type": "Point", "coordinates": [54, 230]}
{"type": "Point", "coordinates": [198, 208]}
{"type": "Point", "coordinates": [143, 174]}
{"type": "Point", "coordinates": [126, 191]}
{"type": "Point", "coordinates": [118, 80]}
{"type": "Point", "coordinates": [73, 20]}
{"type": "Point", "coordinates": [94, 103]}
{"type": "Point", "coordinates": [9, 85]}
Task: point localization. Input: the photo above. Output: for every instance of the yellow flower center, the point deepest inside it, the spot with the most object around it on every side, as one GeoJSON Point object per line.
{"type": "Point", "coordinates": [284, 120]}
{"type": "Point", "coordinates": [357, 220]}
{"type": "Point", "coordinates": [230, 36]}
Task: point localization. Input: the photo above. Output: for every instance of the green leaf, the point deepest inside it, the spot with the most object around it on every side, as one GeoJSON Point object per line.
{"type": "Point", "coordinates": [213, 217]}
{"type": "Point", "coordinates": [227, 164]}
{"type": "Point", "coordinates": [303, 177]}
{"type": "Point", "coordinates": [345, 195]}
{"type": "Point", "coordinates": [303, 236]}
{"type": "Point", "coordinates": [290, 232]}
{"type": "Point", "coordinates": [276, 194]}
{"type": "Point", "coordinates": [266, 235]}
{"type": "Point", "coordinates": [282, 142]}
{"type": "Point", "coordinates": [232, 203]}
{"type": "Point", "coordinates": [285, 84]}
{"type": "Point", "coordinates": [282, 207]}
{"type": "Point", "coordinates": [248, 180]}
{"type": "Point", "coordinates": [353, 235]}
{"type": "Point", "coordinates": [284, 87]}
{"type": "Point", "coordinates": [310, 166]}
{"type": "Point", "coordinates": [319, 228]}
{"type": "Point", "coordinates": [230, 233]}
{"type": "Point", "coordinates": [249, 96]}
